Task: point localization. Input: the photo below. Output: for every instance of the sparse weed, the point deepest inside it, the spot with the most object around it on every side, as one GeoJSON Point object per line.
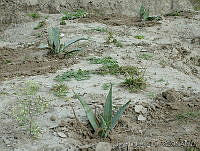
{"type": "Point", "coordinates": [60, 90]}
{"type": "Point", "coordinates": [103, 123]}
{"type": "Point", "coordinates": [111, 66]}
{"type": "Point", "coordinates": [163, 63]}
{"type": "Point", "coordinates": [62, 22]}
{"type": "Point", "coordinates": [135, 83]}
{"type": "Point", "coordinates": [41, 24]}
{"type": "Point", "coordinates": [139, 37]}
{"type": "Point", "coordinates": [188, 115]}
{"type": "Point", "coordinates": [174, 13]}
{"type": "Point", "coordinates": [25, 111]}
{"type": "Point", "coordinates": [112, 39]}
{"type": "Point", "coordinates": [192, 149]}
{"type": "Point", "coordinates": [106, 86]}
{"type": "Point", "coordinates": [34, 15]}
{"type": "Point", "coordinates": [151, 95]}
{"type": "Point", "coordinates": [78, 75]}
{"type": "Point", "coordinates": [54, 43]}
{"type": "Point", "coordinates": [74, 15]}
{"type": "Point", "coordinates": [29, 107]}
{"type": "Point", "coordinates": [103, 61]}
{"type": "Point", "coordinates": [145, 56]}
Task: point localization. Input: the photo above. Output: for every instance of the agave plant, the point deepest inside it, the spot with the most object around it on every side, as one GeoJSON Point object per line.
{"type": "Point", "coordinates": [54, 43]}
{"type": "Point", "coordinates": [105, 122]}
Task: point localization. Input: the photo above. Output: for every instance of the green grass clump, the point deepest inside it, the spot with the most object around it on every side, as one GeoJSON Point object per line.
{"type": "Point", "coordinates": [188, 115]}
{"type": "Point", "coordinates": [113, 40]}
{"type": "Point", "coordinates": [34, 15]}
{"type": "Point", "coordinates": [103, 123]}
{"type": "Point", "coordinates": [111, 66]}
{"type": "Point", "coordinates": [103, 61]}
{"type": "Point", "coordinates": [41, 24]}
{"type": "Point", "coordinates": [74, 15]}
{"type": "Point", "coordinates": [139, 37]}
{"type": "Point", "coordinates": [78, 75]}
{"type": "Point", "coordinates": [60, 90]}
{"type": "Point", "coordinates": [135, 83]}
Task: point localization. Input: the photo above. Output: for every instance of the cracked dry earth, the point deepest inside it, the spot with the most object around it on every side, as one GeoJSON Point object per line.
{"type": "Point", "coordinates": [164, 116]}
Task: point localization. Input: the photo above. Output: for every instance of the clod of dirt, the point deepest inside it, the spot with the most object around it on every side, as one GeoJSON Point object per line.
{"type": "Point", "coordinates": [140, 108]}
{"type": "Point", "coordinates": [103, 146]}
{"type": "Point", "coordinates": [171, 95]}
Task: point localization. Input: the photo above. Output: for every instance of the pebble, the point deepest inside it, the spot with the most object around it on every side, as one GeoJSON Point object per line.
{"type": "Point", "coordinates": [141, 118]}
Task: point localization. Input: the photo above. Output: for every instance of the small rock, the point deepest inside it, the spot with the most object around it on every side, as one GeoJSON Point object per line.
{"type": "Point", "coordinates": [53, 118]}
{"type": "Point", "coordinates": [141, 118]}
{"type": "Point", "coordinates": [103, 146]}
{"type": "Point", "coordinates": [61, 134]}
{"type": "Point", "coordinates": [140, 108]}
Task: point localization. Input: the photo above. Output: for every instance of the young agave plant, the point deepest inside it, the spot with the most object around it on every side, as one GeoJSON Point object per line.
{"type": "Point", "coordinates": [106, 121]}
{"type": "Point", "coordinates": [54, 43]}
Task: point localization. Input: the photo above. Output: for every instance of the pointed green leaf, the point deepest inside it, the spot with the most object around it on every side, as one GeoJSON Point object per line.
{"type": "Point", "coordinates": [90, 115]}
{"type": "Point", "coordinates": [104, 128]}
{"type": "Point", "coordinates": [119, 114]}
{"type": "Point", "coordinates": [107, 113]}
{"type": "Point", "coordinates": [54, 39]}
{"type": "Point", "coordinates": [70, 42]}
{"type": "Point", "coordinates": [43, 46]}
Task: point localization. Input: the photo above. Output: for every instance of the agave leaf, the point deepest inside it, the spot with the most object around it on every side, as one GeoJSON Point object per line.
{"type": "Point", "coordinates": [104, 128]}
{"type": "Point", "coordinates": [68, 43]}
{"type": "Point", "coordinates": [107, 113]}
{"type": "Point", "coordinates": [142, 10]}
{"type": "Point", "coordinates": [90, 115]}
{"type": "Point", "coordinates": [146, 15]}
{"type": "Point", "coordinates": [54, 39]}
{"type": "Point", "coordinates": [119, 114]}
{"type": "Point", "coordinates": [43, 46]}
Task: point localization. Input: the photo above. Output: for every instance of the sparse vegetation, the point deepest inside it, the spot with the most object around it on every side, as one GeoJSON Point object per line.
{"type": "Point", "coordinates": [74, 15]}
{"type": "Point", "coordinates": [41, 24]}
{"type": "Point", "coordinates": [55, 45]}
{"type": "Point", "coordinates": [103, 123]}
{"type": "Point", "coordinates": [135, 83]}
{"type": "Point", "coordinates": [34, 15]}
{"type": "Point", "coordinates": [62, 22]}
{"type": "Point", "coordinates": [188, 115]}
{"type": "Point", "coordinates": [174, 13]}
{"type": "Point", "coordinates": [139, 37]}
{"type": "Point", "coordinates": [78, 75]}
{"type": "Point", "coordinates": [113, 40]}
{"type": "Point", "coordinates": [145, 56]}
{"type": "Point", "coordinates": [60, 90]}
{"type": "Point", "coordinates": [29, 107]}
{"type": "Point", "coordinates": [106, 86]}
{"type": "Point", "coordinates": [111, 66]}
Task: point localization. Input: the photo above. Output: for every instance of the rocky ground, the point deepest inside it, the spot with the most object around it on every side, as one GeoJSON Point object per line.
{"type": "Point", "coordinates": [163, 116]}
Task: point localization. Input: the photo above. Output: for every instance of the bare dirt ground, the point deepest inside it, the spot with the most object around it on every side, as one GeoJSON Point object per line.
{"type": "Point", "coordinates": [169, 51]}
